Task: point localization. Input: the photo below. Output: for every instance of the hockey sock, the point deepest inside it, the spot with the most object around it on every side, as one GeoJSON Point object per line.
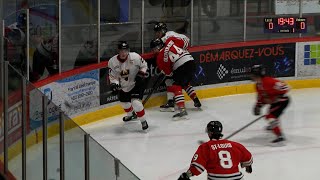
{"type": "Point", "coordinates": [170, 91]}
{"type": "Point", "coordinates": [274, 124]}
{"type": "Point", "coordinates": [139, 109]}
{"type": "Point", "coordinates": [127, 107]}
{"type": "Point", "coordinates": [277, 131]}
{"type": "Point", "coordinates": [190, 91]}
{"type": "Point", "coordinates": [178, 96]}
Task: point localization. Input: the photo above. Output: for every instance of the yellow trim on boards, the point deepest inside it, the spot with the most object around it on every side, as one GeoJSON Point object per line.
{"type": "Point", "coordinates": [202, 93]}
{"type": "Point", "coordinates": [36, 137]}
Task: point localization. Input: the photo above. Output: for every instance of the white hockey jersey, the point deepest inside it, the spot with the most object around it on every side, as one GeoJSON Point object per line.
{"type": "Point", "coordinates": [183, 37]}
{"type": "Point", "coordinates": [125, 73]}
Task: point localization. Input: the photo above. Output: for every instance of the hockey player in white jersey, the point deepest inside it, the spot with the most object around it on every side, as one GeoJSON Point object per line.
{"type": "Point", "coordinates": [182, 41]}
{"type": "Point", "coordinates": [127, 72]}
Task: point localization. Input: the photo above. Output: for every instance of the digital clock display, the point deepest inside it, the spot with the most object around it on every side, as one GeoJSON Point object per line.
{"type": "Point", "coordinates": [285, 25]}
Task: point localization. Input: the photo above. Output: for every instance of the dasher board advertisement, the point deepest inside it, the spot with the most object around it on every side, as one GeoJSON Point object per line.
{"type": "Point", "coordinates": [234, 64]}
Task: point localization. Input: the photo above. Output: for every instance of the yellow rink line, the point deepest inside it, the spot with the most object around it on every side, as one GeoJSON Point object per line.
{"type": "Point", "coordinates": [53, 129]}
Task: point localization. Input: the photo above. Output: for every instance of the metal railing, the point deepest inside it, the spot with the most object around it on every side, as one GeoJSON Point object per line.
{"type": "Point", "coordinates": [41, 142]}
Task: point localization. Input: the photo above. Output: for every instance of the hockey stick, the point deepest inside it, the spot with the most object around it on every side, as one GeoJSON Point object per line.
{"type": "Point", "coordinates": [239, 130]}
{"type": "Point", "coordinates": [158, 82]}
{"type": "Point", "coordinates": [244, 127]}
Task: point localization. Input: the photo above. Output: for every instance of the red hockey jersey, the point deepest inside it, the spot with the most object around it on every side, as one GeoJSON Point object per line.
{"type": "Point", "coordinates": [171, 57]}
{"type": "Point", "coordinates": [270, 90]}
{"type": "Point", "coordinates": [181, 40]}
{"type": "Point", "coordinates": [221, 159]}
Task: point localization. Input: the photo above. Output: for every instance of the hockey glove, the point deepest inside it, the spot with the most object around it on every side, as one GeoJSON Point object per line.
{"type": "Point", "coordinates": [140, 76]}
{"type": "Point", "coordinates": [256, 110]}
{"type": "Point", "coordinates": [249, 169]}
{"type": "Point", "coordinates": [184, 176]}
{"type": "Point", "coordinates": [115, 88]}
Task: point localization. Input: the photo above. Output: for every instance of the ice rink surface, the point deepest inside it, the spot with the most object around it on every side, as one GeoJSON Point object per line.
{"type": "Point", "coordinates": [165, 151]}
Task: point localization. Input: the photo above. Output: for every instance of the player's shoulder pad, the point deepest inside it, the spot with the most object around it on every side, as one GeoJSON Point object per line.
{"type": "Point", "coordinates": [136, 58]}
{"type": "Point", "coordinates": [134, 55]}
{"type": "Point", "coordinates": [112, 60]}
{"type": "Point", "coordinates": [204, 145]}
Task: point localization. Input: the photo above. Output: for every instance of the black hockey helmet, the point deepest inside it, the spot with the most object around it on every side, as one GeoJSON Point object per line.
{"type": "Point", "coordinates": [156, 43]}
{"type": "Point", "coordinates": [123, 45]}
{"type": "Point", "coordinates": [160, 26]}
{"type": "Point", "coordinates": [258, 70]}
{"type": "Point", "coordinates": [22, 19]}
{"type": "Point", "coordinates": [214, 129]}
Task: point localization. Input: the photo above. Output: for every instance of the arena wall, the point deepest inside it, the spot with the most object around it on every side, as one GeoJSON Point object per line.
{"type": "Point", "coordinates": [302, 57]}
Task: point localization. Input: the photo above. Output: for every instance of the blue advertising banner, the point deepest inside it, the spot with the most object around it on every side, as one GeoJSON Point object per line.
{"type": "Point", "coordinates": [74, 95]}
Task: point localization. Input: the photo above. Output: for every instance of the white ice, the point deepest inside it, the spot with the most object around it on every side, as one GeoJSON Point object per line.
{"type": "Point", "coordinates": [165, 151]}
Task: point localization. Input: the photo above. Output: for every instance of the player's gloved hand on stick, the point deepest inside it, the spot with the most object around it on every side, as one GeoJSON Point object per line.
{"type": "Point", "coordinates": [257, 110]}
{"type": "Point", "coordinates": [140, 76]}
{"type": "Point", "coordinates": [184, 176]}
{"type": "Point", "coordinates": [249, 169]}
{"type": "Point", "coordinates": [115, 88]}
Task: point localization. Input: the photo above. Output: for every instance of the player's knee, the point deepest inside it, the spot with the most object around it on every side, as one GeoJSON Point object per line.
{"type": "Point", "coordinates": [126, 105]}
{"type": "Point", "coordinates": [271, 116]}
{"type": "Point", "coordinates": [137, 105]}
{"type": "Point", "coordinates": [273, 122]}
{"type": "Point", "coordinates": [168, 82]}
{"type": "Point", "coordinates": [176, 89]}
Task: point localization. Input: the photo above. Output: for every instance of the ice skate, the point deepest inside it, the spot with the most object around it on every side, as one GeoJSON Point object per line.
{"type": "Point", "coordinates": [168, 107]}
{"type": "Point", "coordinates": [279, 141]}
{"type": "Point", "coordinates": [197, 102]}
{"type": "Point", "coordinates": [268, 128]}
{"type": "Point", "coordinates": [144, 125]}
{"type": "Point", "coordinates": [181, 115]}
{"type": "Point", "coordinates": [130, 118]}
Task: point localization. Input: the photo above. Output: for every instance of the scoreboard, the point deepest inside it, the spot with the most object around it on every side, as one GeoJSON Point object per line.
{"type": "Point", "coordinates": [285, 25]}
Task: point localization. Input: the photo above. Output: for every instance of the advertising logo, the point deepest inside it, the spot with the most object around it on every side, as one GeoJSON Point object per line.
{"type": "Point", "coordinates": [283, 66]}
{"type": "Point", "coordinates": [312, 54]}
{"type": "Point", "coordinates": [199, 76]}
{"type": "Point", "coordinates": [222, 71]}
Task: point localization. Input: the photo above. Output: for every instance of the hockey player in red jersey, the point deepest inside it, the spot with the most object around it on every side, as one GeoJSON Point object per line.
{"type": "Point", "coordinates": [219, 157]}
{"type": "Point", "coordinates": [270, 91]}
{"type": "Point", "coordinates": [127, 73]}
{"type": "Point", "coordinates": [178, 64]}
{"type": "Point", "coordinates": [181, 41]}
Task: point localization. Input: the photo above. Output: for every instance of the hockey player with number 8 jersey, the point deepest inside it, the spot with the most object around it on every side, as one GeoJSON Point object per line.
{"type": "Point", "coordinates": [219, 157]}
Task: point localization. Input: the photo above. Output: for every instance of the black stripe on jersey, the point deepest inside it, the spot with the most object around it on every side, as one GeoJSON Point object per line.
{"type": "Point", "coordinates": [247, 163]}
{"type": "Point", "coordinates": [226, 179]}
{"type": "Point", "coordinates": [181, 57]}
{"type": "Point", "coordinates": [193, 164]}
{"type": "Point", "coordinates": [226, 176]}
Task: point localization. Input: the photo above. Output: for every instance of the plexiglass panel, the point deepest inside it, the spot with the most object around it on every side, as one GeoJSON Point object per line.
{"type": "Point", "coordinates": [102, 164]}
{"type": "Point", "coordinates": [218, 21]}
{"type": "Point", "coordinates": [74, 150]}
{"type": "Point", "coordinates": [79, 34]}
{"type": "Point", "coordinates": [123, 24]}
{"type": "Point", "coordinates": [14, 122]}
